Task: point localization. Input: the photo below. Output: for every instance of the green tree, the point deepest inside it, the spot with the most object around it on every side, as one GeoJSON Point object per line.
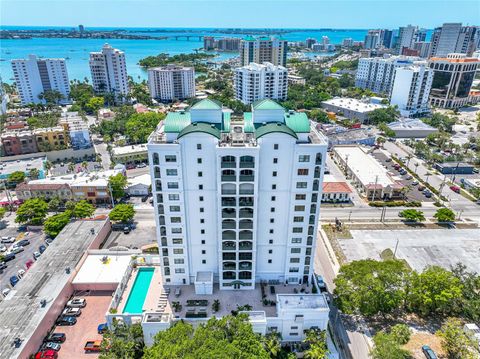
{"type": "Point", "coordinates": [470, 305]}
{"type": "Point", "coordinates": [53, 225]}
{"type": "Point", "coordinates": [387, 347]}
{"type": "Point", "coordinates": [33, 173]}
{"type": "Point", "coordinates": [272, 344]}
{"type": "Point", "coordinates": [455, 343]}
{"type": "Point", "coordinates": [117, 184]}
{"type": "Point", "coordinates": [412, 215]}
{"type": "Point", "coordinates": [226, 337]}
{"type": "Point", "coordinates": [386, 130]}
{"type": "Point", "coordinates": [442, 122]}
{"type": "Point", "coordinates": [54, 204]}
{"type": "Point", "coordinates": [122, 212]}
{"type": "Point", "coordinates": [370, 287]}
{"type": "Point", "coordinates": [383, 115]}
{"type": "Point", "coordinates": [401, 333]}
{"type": "Point", "coordinates": [33, 211]}
{"type": "Point", "coordinates": [83, 209]}
{"type": "Point", "coordinates": [444, 215]}
{"type": "Point", "coordinates": [124, 341]}
{"type": "Point", "coordinates": [140, 125]}
{"type": "Point", "coordinates": [319, 116]}
{"type": "Point", "coordinates": [51, 97]}
{"type": "Point", "coordinates": [3, 210]}
{"type": "Point", "coordinates": [70, 205]}
{"type": "Point", "coordinates": [435, 291]}
{"type": "Point", "coordinates": [94, 104]}
{"type": "Point", "coordinates": [16, 177]}
{"type": "Point", "coordinates": [316, 340]}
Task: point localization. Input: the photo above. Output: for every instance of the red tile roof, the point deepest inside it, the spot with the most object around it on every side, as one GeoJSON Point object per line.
{"type": "Point", "coordinates": [336, 187]}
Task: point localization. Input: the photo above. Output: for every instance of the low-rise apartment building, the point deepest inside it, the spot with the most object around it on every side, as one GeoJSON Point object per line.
{"type": "Point", "coordinates": [52, 138]}
{"type": "Point", "coordinates": [130, 154]}
{"type": "Point", "coordinates": [335, 190]}
{"type": "Point", "coordinates": [351, 108]}
{"type": "Point", "coordinates": [18, 143]}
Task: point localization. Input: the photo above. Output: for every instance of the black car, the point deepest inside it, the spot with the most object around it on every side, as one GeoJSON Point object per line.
{"type": "Point", "coordinates": [145, 198]}
{"type": "Point", "coordinates": [9, 257]}
{"type": "Point", "coordinates": [66, 320]}
{"type": "Point", "coordinates": [3, 265]}
{"type": "Point", "coordinates": [42, 248]}
{"type": "Point", "coordinates": [23, 242]}
{"type": "Point", "coordinates": [56, 338]}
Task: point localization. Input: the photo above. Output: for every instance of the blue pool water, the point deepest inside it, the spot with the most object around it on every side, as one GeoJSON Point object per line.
{"type": "Point", "coordinates": [139, 291]}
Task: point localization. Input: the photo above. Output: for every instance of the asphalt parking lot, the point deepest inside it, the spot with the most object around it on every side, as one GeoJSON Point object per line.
{"type": "Point", "coordinates": [59, 170]}
{"type": "Point", "coordinates": [36, 239]}
{"type": "Point", "coordinates": [414, 194]}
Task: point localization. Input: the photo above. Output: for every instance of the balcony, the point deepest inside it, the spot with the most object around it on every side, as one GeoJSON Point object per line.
{"type": "Point", "coordinates": [229, 266]}
{"type": "Point", "coordinates": [229, 191]}
{"type": "Point", "coordinates": [245, 235]}
{"type": "Point", "coordinates": [246, 201]}
{"type": "Point", "coordinates": [229, 275]}
{"type": "Point", "coordinates": [244, 213]}
{"type": "Point", "coordinates": [247, 162]}
{"type": "Point", "coordinates": [230, 213]}
{"type": "Point", "coordinates": [229, 235]}
{"type": "Point", "coordinates": [228, 246]}
{"type": "Point", "coordinates": [246, 178]}
{"type": "Point", "coordinates": [245, 246]}
{"type": "Point", "coordinates": [229, 224]}
{"type": "Point", "coordinates": [226, 164]}
{"type": "Point", "coordinates": [245, 275]}
{"type": "Point", "coordinates": [245, 224]}
{"type": "Point", "coordinates": [229, 202]}
{"type": "Point", "coordinates": [229, 178]}
{"type": "Point", "coordinates": [245, 265]}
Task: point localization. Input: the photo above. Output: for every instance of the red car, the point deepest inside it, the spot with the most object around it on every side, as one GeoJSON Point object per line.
{"type": "Point", "coordinates": [47, 354]}
{"type": "Point", "coordinates": [455, 189]}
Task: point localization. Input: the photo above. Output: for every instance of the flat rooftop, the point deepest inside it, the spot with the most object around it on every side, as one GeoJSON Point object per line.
{"type": "Point", "coordinates": [8, 167]}
{"type": "Point", "coordinates": [365, 167]}
{"type": "Point", "coordinates": [21, 312]}
{"type": "Point", "coordinates": [103, 268]}
{"type": "Point", "coordinates": [353, 104]}
{"type": "Point", "coordinates": [125, 150]}
{"type": "Point", "coordinates": [293, 301]}
{"type": "Point", "coordinates": [351, 135]}
{"type": "Point", "coordinates": [410, 124]}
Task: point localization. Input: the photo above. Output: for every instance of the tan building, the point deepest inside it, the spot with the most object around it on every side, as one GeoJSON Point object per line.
{"type": "Point", "coordinates": [46, 190]}
{"type": "Point", "coordinates": [52, 138]}
{"type": "Point", "coordinates": [263, 49]}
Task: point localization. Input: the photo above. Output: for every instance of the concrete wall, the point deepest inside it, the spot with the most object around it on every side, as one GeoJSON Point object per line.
{"type": "Point", "coordinates": [59, 155]}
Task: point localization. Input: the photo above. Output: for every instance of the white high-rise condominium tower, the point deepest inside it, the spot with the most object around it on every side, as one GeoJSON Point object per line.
{"type": "Point", "coordinates": [171, 82]}
{"type": "Point", "coordinates": [237, 200]}
{"type": "Point", "coordinates": [406, 37]}
{"type": "Point", "coordinates": [109, 71]}
{"type": "Point", "coordinates": [260, 81]}
{"type": "Point", "coordinates": [263, 49]}
{"type": "Point", "coordinates": [411, 88]}
{"type": "Point", "coordinates": [35, 76]}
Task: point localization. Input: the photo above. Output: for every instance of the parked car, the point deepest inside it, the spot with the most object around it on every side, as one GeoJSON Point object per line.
{"type": "Point", "coordinates": [52, 346]}
{"type": "Point", "coordinates": [15, 249]}
{"type": "Point", "coordinates": [421, 187]}
{"type": "Point", "coordinates": [145, 198]}
{"type": "Point", "coordinates": [3, 265]}
{"type": "Point", "coordinates": [56, 338]}
{"type": "Point", "coordinates": [3, 248]}
{"type": "Point", "coordinates": [102, 328]}
{"type": "Point", "coordinates": [42, 249]}
{"type": "Point", "coordinates": [29, 263]}
{"type": "Point", "coordinates": [414, 183]}
{"type": "Point", "coordinates": [46, 354]}
{"type": "Point", "coordinates": [126, 230]}
{"type": "Point", "coordinates": [93, 346]}
{"type": "Point", "coordinates": [74, 312]}
{"type": "Point", "coordinates": [77, 303]}
{"type": "Point", "coordinates": [455, 189]}
{"type": "Point", "coordinates": [130, 167]}
{"type": "Point", "coordinates": [14, 280]}
{"type": "Point", "coordinates": [5, 292]}
{"type": "Point", "coordinates": [21, 273]}
{"type": "Point", "coordinates": [23, 242]}
{"type": "Point", "coordinates": [321, 283]}
{"type": "Point", "coordinates": [429, 353]}
{"type": "Point", "coordinates": [142, 165]}
{"type": "Point", "coordinates": [8, 239]}
{"type": "Point", "coordinates": [36, 255]}
{"type": "Point", "coordinates": [427, 193]}
{"type": "Point", "coordinates": [8, 257]}
{"type": "Point", "coordinates": [408, 177]}
{"type": "Point", "coordinates": [388, 159]}
{"type": "Point", "coordinates": [63, 320]}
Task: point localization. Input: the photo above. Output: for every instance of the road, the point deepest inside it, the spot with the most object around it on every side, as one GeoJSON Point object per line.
{"type": "Point", "coordinates": [101, 149]}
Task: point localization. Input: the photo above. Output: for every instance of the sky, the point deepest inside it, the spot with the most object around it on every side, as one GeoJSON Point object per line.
{"type": "Point", "coordinates": [235, 13]}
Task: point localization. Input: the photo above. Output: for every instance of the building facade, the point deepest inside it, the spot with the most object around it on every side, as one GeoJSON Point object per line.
{"type": "Point", "coordinates": [171, 82]}
{"type": "Point", "coordinates": [260, 81]}
{"type": "Point", "coordinates": [411, 88]}
{"type": "Point", "coordinates": [18, 143]}
{"type": "Point", "coordinates": [263, 49]}
{"type": "Point", "coordinates": [236, 199]}
{"type": "Point", "coordinates": [34, 77]}
{"type": "Point", "coordinates": [454, 38]}
{"type": "Point", "coordinates": [452, 80]}
{"type": "Point", "coordinates": [109, 71]}
{"type": "Point", "coordinates": [406, 38]}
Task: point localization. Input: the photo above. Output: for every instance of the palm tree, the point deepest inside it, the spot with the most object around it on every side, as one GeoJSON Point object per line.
{"type": "Point", "coordinates": [71, 167]}
{"type": "Point", "coordinates": [85, 165]}
{"type": "Point", "coordinates": [271, 343]}
{"type": "Point", "coordinates": [48, 165]}
{"type": "Point", "coordinates": [317, 341]}
{"type": "Point", "coordinates": [409, 157]}
{"type": "Point", "coordinates": [416, 164]}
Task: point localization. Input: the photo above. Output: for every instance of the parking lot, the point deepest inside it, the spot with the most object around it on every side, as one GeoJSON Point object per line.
{"type": "Point", "coordinates": [36, 239]}
{"type": "Point", "coordinates": [413, 194]}
{"type": "Point", "coordinates": [59, 170]}
{"type": "Point", "coordinates": [86, 327]}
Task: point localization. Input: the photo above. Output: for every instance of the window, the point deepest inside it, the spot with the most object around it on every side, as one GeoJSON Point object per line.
{"type": "Point", "coordinates": [202, 209]}
{"type": "Point", "coordinates": [298, 219]}
{"type": "Point", "coordinates": [178, 261]}
{"type": "Point", "coordinates": [177, 241]}
{"type": "Point", "coordinates": [172, 185]}
{"type": "Point", "coordinates": [302, 172]}
{"type": "Point", "coordinates": [295, 250]}
{"type": "Point", "coordinates": [174, 208]}
{"type": "Point", "coordinates": [296, 240]}
{"type": "Point", "coordinates": [274, 173]}
{"type": "Point", "coordinates": [272, 209]}
{"type": "Point", "coordinates": [202, 220]}
{"type": "Point", "coordinates": [200, 174]}
{"type": "Point", "coordinates": [273, 198]}
{"type": "Point", "coordinates": [176, 220]}
{"type": "Point", "coordinates": [204, 251]}
{"type": "Point", "coordinates": [269, 261]}
{"type": "Point", "coordinates": [177, 250]}
{"type": "Point", "coordinates": [176, 230]}
{"type": "Point", "coordinates": [294, 270]}
{"type": "Point", "coordinates": [270, 241]}
{"type": "Point", "coordinates": [203, 241]}
{"type": "Point", "coordinates": [202, 231]}
{"type": "Point", "coordinates": [275, 160]}
{"type": "Point", "coordinates": [275, 146]}
{"type": "Point", "coordinates": [301, 184]}
{"type": "Point", "coordinates": [272, 220]}
{"type": "Point", "coordinates": [293, 334]}
{"type": "Point", "coordinates": [199, 160]}
{"type": "Point", "coordinates": [274, 186]}
{"type": "Point", "coordinates": [171, 172]}
{"type": "Point", "coordinates": [200, 198]}
{"type": "Point", "coordinates": [204, 261]}
{"type": "Point", "coordinates": [304, 158]}
{"type": "Point", "coordinates": [199, 146]}
{"type": "Point", "coordinates": [299, 208]}
{"type": "Point", "coordinates": [270, 231]}
{"type": "Point", "coordinates": [200, 186]}
{"type": "Point", "coordinates": [270, 251]}
{"type": "Point", "coordinates": [173, 197]}
{"type": "Point", "coordinates": [170, 158]}
{"type": "Point", "coordinates": [179, 270]}
{"type": "Point", "coordinates": [294, 260]}
{"type": "Point", "coordinates": [300, 197]}
{"type": "Point", "coordinates": [297, 229]}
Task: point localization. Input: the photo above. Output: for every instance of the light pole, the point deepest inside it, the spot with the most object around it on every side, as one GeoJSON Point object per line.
{"type": "Point", "coordinates": [349, 215]}
{"type": "Point", "coordinates": [396, 246]}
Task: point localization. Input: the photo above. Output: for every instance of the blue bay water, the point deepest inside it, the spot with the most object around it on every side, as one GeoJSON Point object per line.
{"type": "Point", "coordinates": [76, 51]}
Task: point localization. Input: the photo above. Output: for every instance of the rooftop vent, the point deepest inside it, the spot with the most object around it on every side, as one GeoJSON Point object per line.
{"type": "Point", "coordinates": [67, 270]}
{"type": "Point", "coordinates": [43, 303]}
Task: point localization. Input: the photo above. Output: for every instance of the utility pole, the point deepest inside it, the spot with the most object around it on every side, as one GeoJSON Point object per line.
{"type": "Point", "coordinates": [375, 188]}
{"type": "Point", "coordinates": [111, 194]}
{"type": "Point", "coordinates": [396, 246]}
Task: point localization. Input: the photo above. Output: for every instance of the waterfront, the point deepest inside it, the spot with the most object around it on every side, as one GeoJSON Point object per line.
{"type": "Point", "coordinates": [76, 51]}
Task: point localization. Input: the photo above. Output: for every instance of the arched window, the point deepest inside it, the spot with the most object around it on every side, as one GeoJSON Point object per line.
{"type": "Point", "coordinates": [318, 159]}
{"type": "Point", "coordinates": [317, 172]}
{"type": "Point", "coordinates": [228, 162]}
{"type": "Point", "coordinates": [155, 159]}
{"type": "Point", "coordinates": [228, 235]}
{"type": "Point", "coordinates": [247, 162]}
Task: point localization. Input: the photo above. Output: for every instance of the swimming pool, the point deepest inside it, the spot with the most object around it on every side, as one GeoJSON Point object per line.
{"type": "Point", "coordinates": [139, 291]}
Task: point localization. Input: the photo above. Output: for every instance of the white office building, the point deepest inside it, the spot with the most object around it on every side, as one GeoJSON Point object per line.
{"type": "Point", "coordinates": [236, 200]}
{"type": "Point", "coordinates": [109, 71]}
{"type": "Point", "coordinates": [260, 81]}
{"type": "Point", "coordinates": [411, 88]}
{"type": "Point", "coordinates": [171, 82]}
{"type": "Point", "coordinates": [377, 73]}
{"type": "Point", "coordinates": [34, 76]}
{"type": "Point", "coordinates": [406, 37]}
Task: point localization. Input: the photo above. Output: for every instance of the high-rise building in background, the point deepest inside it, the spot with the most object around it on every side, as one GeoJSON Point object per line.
{"type": "Point", "coordinates": [109, 71]}
{"type": "Point", "coordinates": [420, 35]}
{"type": "Point", "coordinates": [260, 81]}
{"type": "Point", "coordinates": [263, 49]}
{"type": "Point", "coordinates": [171, 82]}
{"type": "Point", "coordinates": [228, 44]}
{"type": "Point", "coordinates": [372, 39]}
{"type": "Point", "coordinates": [387, 38]}
{"type": "Point", "coordinates": [309, 42]}
{"type": "Point", "coordinates": [423, 48]}
{"type": "Point", "coordinates": [236, 201]}
{"type": "Point", "coordinates": [452, 80]}
{"type": "Point", "coordinates": [411, 87]}
{"type": "Point", "coordinates": [377, 74]}
{"type": "Point", "coordinates": [3, 98]}
{"type": "Point", "coordinates": [348, 42]}
{"type": "Point", "coordinates": [35, 76]}
{"type": "Point", "coordinates": [208, 43]}
{"type": "Point", "coordinates": [406, 37]}
{"type": "Point", "coordinates": [81, 28]}
{"type": "Point", "coordinates": [454, 38]}
{"type": "Point", "coordinates": [468, 40]}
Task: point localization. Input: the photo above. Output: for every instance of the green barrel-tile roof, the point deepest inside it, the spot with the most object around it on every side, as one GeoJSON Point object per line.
{"type": "Point", "coordinates": [297, 121]}
{"type": "Point", "coordinates": [248, 38]}
{"type": "Point", "coordinates": [248, 126]}
{"type": "Point", "coordinates": [226, 121]}
{"type": "Point", "coordinates": [207, 104]}
{"type": "Point", "coordinates": [176, 121]}
{"type": "Point", "coordinates": [266, 104]}
{"type": "Point", "coordinates": [274, 127]}
{"type": "Point", "coordinates": [200, 127]}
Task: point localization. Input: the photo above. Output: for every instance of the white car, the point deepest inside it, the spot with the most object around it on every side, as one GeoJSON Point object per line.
{"type": "Point", "coordinates": [72, 312]}
{"type": "Point", "coordinates": [16, 249]}
{"type": "Point", "coordinates": [36, 255]}
{"type": "Point", "coordinates": [8, 239]}
{"type": "Point", "coordinates": [3, 248]}
{"type": "Point", "coordinates": [77, 303]}
{"type": "Point", "coordinates": [21, 273]}
{"type": "Point", "coordinates": [5, 292]}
